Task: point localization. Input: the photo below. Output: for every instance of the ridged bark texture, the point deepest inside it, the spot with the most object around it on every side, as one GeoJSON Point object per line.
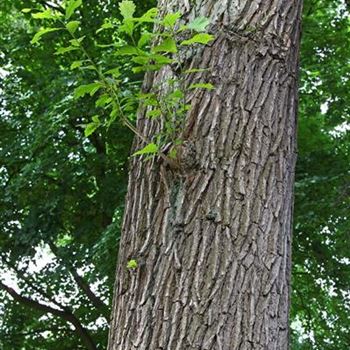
{"type": "Point", "coordinates": [213, 239]}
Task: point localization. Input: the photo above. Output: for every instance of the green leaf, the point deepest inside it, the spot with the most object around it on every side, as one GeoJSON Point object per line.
{"type": "Point", "coordinates": [103, 100]}
{"type": "Point", "coordinates": [168, 45]}
{"type": "Point", "coordinates": [151, 148]}
{"type": "Point", "coordinates": [159, 59]}
{"type": "Point", "coordinates": [96, 119]}
{"type": "Point", "coordinates": [144, 39]}
{"type": "Point", "coordinates": [154, 113]}
{"type": "Point", "coordinates": [149, 15]}
{"type": "Point", "coordinates": [181, 29]}
{"type": "Point", "coordinates": [127, 26]}
{"type": "Point", "coordinates": [71, 6]}
{"type": "Point", "coordinates": [114, 71]}
{"type": "Point", "coordinates": [176, 95]}
{"type": "Point", "coordinates": [64, 241]}
{"type": "Point", "coordinates": [132, 264]}
{"type": "Point", "coordinates": [91, 128]}
{"type": "Point", "coordinates": [199, 24]}
{"type": "Point", "coordinates": [106, 25]}
{"type": "Point", "coordinates": [173, 153]}
{"type": "Point", "coordinates": [202, 38]}
{"type": "Point", "coordinates": [113, 115]}
{"type": "Point", "coordinates": [185, 107]}
{"type": "Point", "coordinates": [207, 86]}
{"type": "Point", "coordinates": [41, 32]}
{"type": "Point", "coordinates": [145, 96]}
{"type": "Point", "coordinates": [127, 50]}
{"type": "Point", "coordinates": [90, 67]}
{"type": "Point", "coordinates": [170, 19]}
{"type": "Point", "coordinates": [77, 42]}
{"type": "Point", "coordinates": [149, 99]}
{"type": "Point", "coordinates": [63, 50]}
{"type": "Point", "coordinates": [172, 81]}
{"type": "Point", "coordinates": [143, 60]}
{"type": "Point", "coordinates": [104, 45]}
{"type": "Point", "coordinates": [72, 26]}
{"type": "Point", "coordinates": [127, 9]}
{"type": "Point", "coordinates": [76, 64]}
{"type": "Point", "coordinates": [87, 89]}
{"type": "Point", "coordinates": [26, 10]}
{"type": "Point", "coordinates": [47, 14]}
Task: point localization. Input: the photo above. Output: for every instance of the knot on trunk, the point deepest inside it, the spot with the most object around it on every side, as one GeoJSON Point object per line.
{"type": "Point", "coordinates": [182, 157]}
{"type": "Point", "coordinates": [187, 156]}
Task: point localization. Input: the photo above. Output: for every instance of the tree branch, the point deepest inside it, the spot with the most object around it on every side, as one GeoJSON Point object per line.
{"type": "Point", "coordinates": [32, 285]}
{"type": "Point", "coordinates": [68, 316]}
{"type": "Point", "coordinates": [52, 6]}
{"type": "Point", "coordinates": [347, 2]}
{"type": "Point", "coordinates": [94, 299]}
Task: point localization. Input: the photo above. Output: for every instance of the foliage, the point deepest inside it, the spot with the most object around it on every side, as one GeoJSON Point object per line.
{"type": "Point", "coordinates": [149, 51]}
{"type": "Point", "coordinates": [321, 265]}
{"type": "Point", "coordinates": [63, 160]}
{"type": "Point", "coordinates": [132, 264]}
{"type": "Point", "coordinates": [57, 186]}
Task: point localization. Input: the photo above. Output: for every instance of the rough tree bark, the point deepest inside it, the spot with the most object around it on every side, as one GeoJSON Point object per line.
{"type": "Point", "coordinates": [213, 239]}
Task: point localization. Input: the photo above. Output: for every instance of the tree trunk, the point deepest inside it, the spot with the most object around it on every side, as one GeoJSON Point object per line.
{"type": "Point", "coordinates": [213, 239]}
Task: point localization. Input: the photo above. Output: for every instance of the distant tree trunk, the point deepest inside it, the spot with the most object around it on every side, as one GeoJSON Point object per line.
{"type": "Point", "coordinates": [213, 240]}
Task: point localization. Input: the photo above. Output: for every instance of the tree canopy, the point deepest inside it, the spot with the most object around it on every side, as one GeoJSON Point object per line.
{"type": "Point", "coordinates": [62, 192]}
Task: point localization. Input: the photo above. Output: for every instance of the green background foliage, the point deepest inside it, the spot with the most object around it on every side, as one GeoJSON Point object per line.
{"type": "Point", "coordinates": [321, 270]}
{"type": "Point", "coordinates": [63, 187]}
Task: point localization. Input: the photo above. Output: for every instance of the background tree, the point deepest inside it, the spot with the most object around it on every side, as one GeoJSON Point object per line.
{"type": "Point", "coordinates": [38, 207]}
{"type": "Point", "coordinates": [59, 190]}
{"type": "Point", "coordinates": [321, 272]}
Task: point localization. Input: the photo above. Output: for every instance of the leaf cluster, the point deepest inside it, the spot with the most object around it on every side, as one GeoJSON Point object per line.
{"type": "Point", "coordinates": [140, 50]}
